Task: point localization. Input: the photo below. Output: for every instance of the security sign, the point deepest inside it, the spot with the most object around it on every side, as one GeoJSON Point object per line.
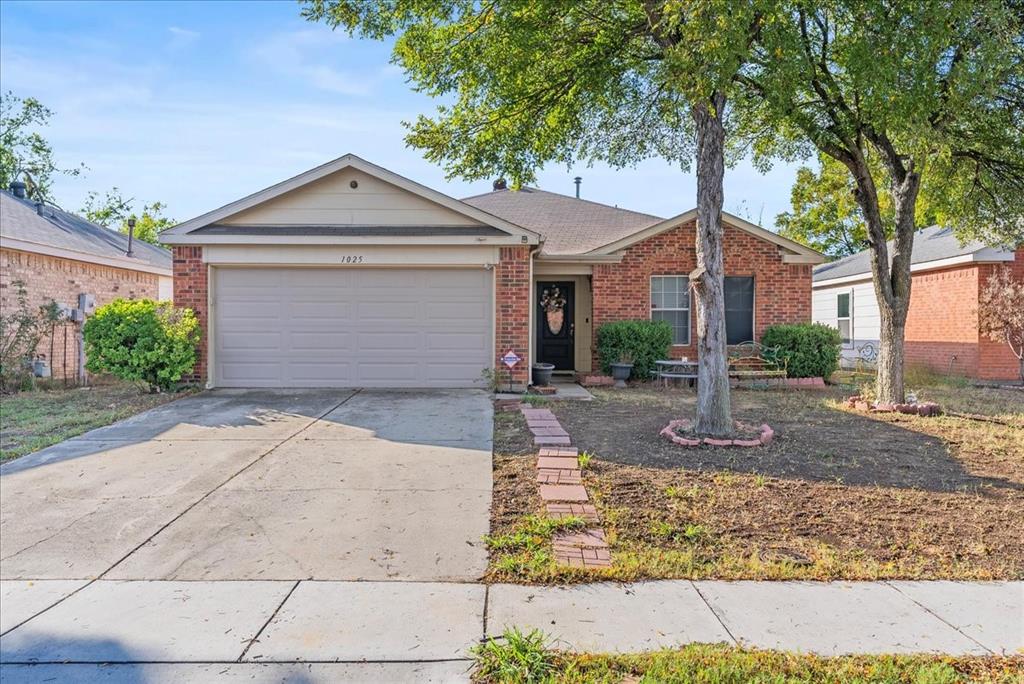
{"type": "Point", "coordinates": [510, 358]}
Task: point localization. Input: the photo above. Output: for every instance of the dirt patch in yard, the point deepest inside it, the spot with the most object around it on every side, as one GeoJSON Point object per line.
{"type": "Point", "coordinates": [838, 494]}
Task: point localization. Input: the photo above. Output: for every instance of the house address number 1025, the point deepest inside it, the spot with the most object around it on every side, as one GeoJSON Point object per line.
{"type": "Point", "coordinates": [351, 259]}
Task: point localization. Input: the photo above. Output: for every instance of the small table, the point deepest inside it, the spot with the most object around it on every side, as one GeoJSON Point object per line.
{"type": "Point", "coordinates": [676, 368]}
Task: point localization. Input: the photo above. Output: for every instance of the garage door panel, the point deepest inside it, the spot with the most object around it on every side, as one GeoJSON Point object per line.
{"type": "Point", "coordinates": [324, 327]}
{"type": "Point", "coordinates": [251, 341]}
{"type": "Point", "coordinates": [320, 342]}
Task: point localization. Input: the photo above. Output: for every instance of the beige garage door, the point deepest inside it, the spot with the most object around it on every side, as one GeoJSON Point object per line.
{"type": "Point", "coordinates": [330, 327]}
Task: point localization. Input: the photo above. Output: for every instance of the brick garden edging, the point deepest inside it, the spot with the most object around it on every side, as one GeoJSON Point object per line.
{"type": "Point", "coordinates": [924, 408]}
{"type": "Point", "coordinates": [560, 481]}
{"type": "Point", "coordinates": [669, 432]}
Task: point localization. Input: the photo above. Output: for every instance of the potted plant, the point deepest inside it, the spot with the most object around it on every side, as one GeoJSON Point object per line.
{"type": "Point", "coordinates": [542, 374]}
{"type": "Point", "coordinates": [622, 369]}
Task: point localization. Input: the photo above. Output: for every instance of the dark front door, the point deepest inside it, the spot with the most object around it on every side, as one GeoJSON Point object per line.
{"type": "Point", "coordinates": [555, 325]}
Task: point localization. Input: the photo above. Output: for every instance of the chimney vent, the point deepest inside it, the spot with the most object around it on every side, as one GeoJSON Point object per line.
{"type": "Point", "coordinates": [577, 180]}
{"type": "Point", "coordinates": [18, 190]}
{"type": "Point", "coordinates": [500, 184]}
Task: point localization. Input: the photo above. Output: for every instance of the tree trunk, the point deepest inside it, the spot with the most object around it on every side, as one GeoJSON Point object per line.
{"type": "Point", "coordinates": [714, 410]}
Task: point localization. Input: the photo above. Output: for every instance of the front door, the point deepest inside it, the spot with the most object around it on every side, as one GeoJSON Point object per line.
{"type": "Point", "coordinates": [556, 326]}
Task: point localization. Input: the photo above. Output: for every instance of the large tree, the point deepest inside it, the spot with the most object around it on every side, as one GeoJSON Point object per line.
{"type": "Point", "coordinates": [528, 82]}
{"type": "Point", "coordinates": [25, 155]}
{"type": "Point", "coordinates": [934, 89]}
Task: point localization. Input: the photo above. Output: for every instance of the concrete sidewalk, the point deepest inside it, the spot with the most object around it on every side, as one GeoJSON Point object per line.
{"type": "Point", "coordinates": [422, 631]}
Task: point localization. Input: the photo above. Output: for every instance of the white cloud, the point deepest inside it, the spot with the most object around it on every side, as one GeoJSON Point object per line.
{"type": "Point", "coordinates": [181, 37]}
{"type": "Point", "coordinates": [309, 56]}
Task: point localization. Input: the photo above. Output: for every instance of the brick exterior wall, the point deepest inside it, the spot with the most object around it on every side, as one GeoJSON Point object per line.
{"type": "Point", "coordinates": [782, 292]}
{"type": "Point", "coordinates": [942, 323]}
{"type": "Point", "coordinates": [513, 310]}
{"type": "Point", "coordinates": [190, 291]}
{"type": "Point", "coordinates": [995, 360]}
{"type": "Point", "coordinates": [49, 278]}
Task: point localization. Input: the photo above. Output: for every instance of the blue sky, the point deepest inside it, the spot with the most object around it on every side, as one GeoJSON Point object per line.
{"type": "Point", "coordinates": [197, 104]}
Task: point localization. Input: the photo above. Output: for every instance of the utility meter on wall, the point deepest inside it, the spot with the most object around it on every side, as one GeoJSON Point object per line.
{"type": "Point", "coordinates": [87, 303]}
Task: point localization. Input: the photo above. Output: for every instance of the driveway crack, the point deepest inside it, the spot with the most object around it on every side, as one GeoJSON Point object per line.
{"type": "Point", "coordinates": [229, 479]}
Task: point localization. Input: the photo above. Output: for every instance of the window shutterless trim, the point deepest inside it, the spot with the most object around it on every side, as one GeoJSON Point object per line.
{"type": "Point", "coordinates": [689, 318]}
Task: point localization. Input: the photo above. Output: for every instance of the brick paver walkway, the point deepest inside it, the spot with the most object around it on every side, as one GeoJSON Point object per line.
{"type": "Point", "coordinates": [560, 482]}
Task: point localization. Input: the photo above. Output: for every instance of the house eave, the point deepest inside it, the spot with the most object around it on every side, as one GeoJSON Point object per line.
{"type": "Point", "coordinates": [580, 258]}
{"type": "Point", "coordinates": [988, 255]}
{"type": "Point", "coordinates": [127, 263]}
{"type": "Point", "coordinates": [397, 241]}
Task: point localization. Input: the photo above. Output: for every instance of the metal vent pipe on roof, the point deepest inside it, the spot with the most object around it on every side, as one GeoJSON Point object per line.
{"type": "Point", "coordinates": [18, 190]}
{"type": "Point", "coordinates": [577, 180]}
{"type": "Point", "coordinates": [500, 184]}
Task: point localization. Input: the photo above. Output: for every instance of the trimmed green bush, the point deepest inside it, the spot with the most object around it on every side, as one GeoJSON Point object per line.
{"type": "Point", "coordinates": [142, 341]}
{"type": "Point", "coordinates": [643, 341]}
{"type": "Point", "coordinates": [810, 350]}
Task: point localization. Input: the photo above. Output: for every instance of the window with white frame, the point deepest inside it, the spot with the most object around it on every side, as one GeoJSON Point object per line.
{"type": "Point", "coordinates": [670, 302]}
{"type": "Point", "coordinates": [844, 318]}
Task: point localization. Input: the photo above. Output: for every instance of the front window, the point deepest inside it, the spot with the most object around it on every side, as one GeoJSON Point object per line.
{"type": "Point", "coordinates": [739, 309]}
{"type": "Point", "coordinates": [670, 302]}
{"type": "Point", "coordinates": [843, 319]}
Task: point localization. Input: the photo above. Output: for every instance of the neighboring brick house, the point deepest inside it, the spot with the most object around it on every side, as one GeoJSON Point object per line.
{"type": "Point", "coordinates": [351, 275]}
{"type": "Point", "coordinates": [942, 329]}
{"type": "Point", "coordinates": [58, 255]}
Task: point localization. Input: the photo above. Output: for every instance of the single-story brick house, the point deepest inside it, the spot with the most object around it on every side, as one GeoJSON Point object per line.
{"type": "Point", "coordinates": [351, 275]}
{"type": "Point", "coordinates": [58, 256]}
{"type": "Point", "coordinates": [942, 323]}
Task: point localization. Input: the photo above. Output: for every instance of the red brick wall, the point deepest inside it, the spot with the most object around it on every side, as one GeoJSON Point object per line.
{"type": "Point", "coordinates": [942, 323]}
{"type": "Point", "coordinates": [782, 292]}
{"type": "Point", "coordinates": [512, 315]}
{"type": "Point", "coordinates": [995, 360]}
{"type": "Point", "coordinates": [50, 278]}
{"type": "Point", "coordinates": [190, 290]}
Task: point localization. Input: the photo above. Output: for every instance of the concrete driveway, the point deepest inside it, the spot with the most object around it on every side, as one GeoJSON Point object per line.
{"type": "Point", "coordinates": [247, 485]}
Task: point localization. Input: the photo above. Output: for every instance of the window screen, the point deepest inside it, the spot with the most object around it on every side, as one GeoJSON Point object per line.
{"type": "Point", "coordinates": [739, 309]}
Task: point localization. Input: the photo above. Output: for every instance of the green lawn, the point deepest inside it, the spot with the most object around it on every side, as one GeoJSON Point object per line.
{"type": "Point", "coordinates": [30, 421]}
{"type": "Point", "coordinates": [526, 658]}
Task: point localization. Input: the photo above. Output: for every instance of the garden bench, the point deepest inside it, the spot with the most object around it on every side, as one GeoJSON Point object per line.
{"type": "Point", "coordinates": [754, 361]}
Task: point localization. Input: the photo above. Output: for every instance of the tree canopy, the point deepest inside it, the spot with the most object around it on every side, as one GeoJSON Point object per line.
{"type": "Point", "coordinates": [825, 215]}
{"type": "Point", "coordinates": [114, 211]}
{"type": "Point", "coordinates": [25, 154]}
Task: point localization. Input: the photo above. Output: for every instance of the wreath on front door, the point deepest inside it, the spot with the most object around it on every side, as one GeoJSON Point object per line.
{"type": "Point", "coordinates": [553, 302]}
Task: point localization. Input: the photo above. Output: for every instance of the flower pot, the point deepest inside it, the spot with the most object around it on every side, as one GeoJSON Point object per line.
{"type": "Point", "coordinates": [542, 374]}
{"type": "Point", "coordinates": [621, 373]}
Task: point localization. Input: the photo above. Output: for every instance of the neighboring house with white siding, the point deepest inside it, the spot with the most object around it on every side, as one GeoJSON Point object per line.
{"type": "Point", "coordinates": [942, 323]}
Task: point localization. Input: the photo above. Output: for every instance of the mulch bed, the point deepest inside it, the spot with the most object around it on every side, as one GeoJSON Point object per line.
{"type": "Point", "coordinates": [880, 496]}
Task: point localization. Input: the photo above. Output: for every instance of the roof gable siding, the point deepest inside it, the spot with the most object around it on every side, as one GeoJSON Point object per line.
{"type": "Point", "coordinates": [332, 201]}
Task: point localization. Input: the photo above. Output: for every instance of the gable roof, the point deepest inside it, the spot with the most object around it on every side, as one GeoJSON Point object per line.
{"type": "Point", "coordinates": [932, 244]}
{"type": "Point", "coordinates": [49, 230]}
{"type": "Point", "coordinates": [189, 231]}
{"type": "Point", "coordinates": [572, 226]}
{"type": "Point", "coordinates": [569, 225]}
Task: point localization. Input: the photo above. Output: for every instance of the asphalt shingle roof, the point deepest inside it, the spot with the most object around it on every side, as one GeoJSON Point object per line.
{"type": "Point", "coordinates": [569, 225]}
{"type": "Point", "coordinates": [930, 244]}
{"type": "Point", "coordinates": [19, 220]}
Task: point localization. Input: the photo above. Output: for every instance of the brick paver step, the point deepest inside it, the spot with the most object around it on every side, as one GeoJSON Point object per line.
{"type": "Point", "coordinates": [543, 414]}
{"type": "Point", "coordinates": [590, 539]}
{"type": "Point", "coordinates": [584, 558]}
{"type": "Point", "coordinates": [547, 440]}
{"type": "Point", "coordinates": [559, 476]}
{"type": "Point", "coordinates": [561, 492]}
{"type": "Point", "coordinates": [557, 462]}
{"type": "Point", "coordinates": [572, 510]}
{"type": "Point", "coordinates": [549, 431]}
{"type": "Point", "coordinates": [537, 422]}
{"type": "Point", "coordinates": [559, 451]}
